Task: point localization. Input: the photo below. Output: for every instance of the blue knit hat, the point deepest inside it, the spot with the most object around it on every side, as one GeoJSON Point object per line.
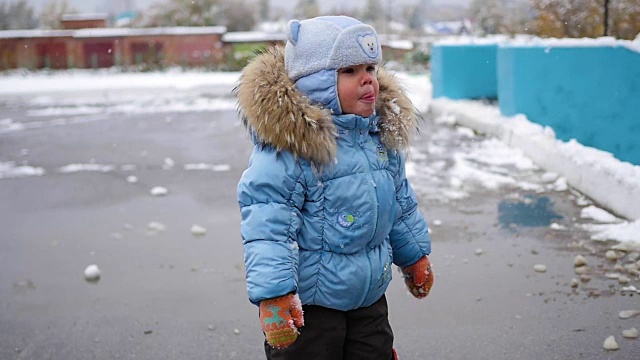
{"type": "Point", "coordinates": [317, 47]}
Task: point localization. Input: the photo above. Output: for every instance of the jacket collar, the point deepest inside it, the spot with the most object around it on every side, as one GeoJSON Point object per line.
{"type": "Point", "coordinates": [357, 122]}
{"type": "Point", "coordinates": [279, 115]}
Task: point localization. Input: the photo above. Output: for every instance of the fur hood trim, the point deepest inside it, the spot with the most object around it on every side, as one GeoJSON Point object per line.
{"type": "Point", "coordinates": [279, 115]}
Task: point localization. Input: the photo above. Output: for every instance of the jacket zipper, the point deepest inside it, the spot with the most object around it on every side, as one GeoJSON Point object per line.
{"type": "Point", "coordinates": [372, 188]}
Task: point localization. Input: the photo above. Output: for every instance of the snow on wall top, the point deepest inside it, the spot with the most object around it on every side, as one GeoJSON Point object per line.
{"type": "Point", "coordinates": [20, 34]}
{"type": "Point", "coordinates": [253, 36]}
{"type": "Point", "coordinates": [471, 40]}
{"type": "Point", "coordinates": [85, 17]}
{"type": "Point", "coordinates": [178, 30]}
{"type": "Point", "coordinates": [113, 32]}
{"type": "Point", "coordinates": [532, 41]}
{"type": "Point", "coordinates": [607, 41]}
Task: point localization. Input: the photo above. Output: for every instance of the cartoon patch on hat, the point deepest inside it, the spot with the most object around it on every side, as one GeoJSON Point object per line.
{"type": "Point", "coordinates": [369, 44]}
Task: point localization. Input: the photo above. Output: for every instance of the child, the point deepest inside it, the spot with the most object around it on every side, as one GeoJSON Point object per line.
{"type": "Point", "coordinates": [326, 208]}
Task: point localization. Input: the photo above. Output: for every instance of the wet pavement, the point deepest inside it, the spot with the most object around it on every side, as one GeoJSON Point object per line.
{"type": "Point", "coordinates": [172, 295]}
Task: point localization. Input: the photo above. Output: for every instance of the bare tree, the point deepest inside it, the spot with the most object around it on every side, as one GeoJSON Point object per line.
{"type": "Point", "coordinates": [624, 20]}
{"type": "Point", "coordinates": [488, 16]}
{"type": "Point", "coordinates": [265, 10]}
{"type": "Point", "coordinates": [373, 13]}
{"type": "Point", "coordinates": [306, 9]}
{"type": "Point", "coordinates": [501, 16]}
{"type": "Point", "coordinates": [186, 13]}
{"type": "Point", "coordinates": [418, 15]}
{"type": "Point", "coordinates": [568, 18]}
{"type": "Point", "coordinates": [238, 17]}
{"type": "Point", "coordinates": [586, 18]}
{"type": "Point", "coordinates": [4, 16]}
{"type": "Point", "coordinates": [18, 15]}
{"type": "Point", "coordinates": [52, 13]}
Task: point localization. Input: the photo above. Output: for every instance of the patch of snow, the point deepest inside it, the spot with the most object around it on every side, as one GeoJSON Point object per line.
{"type": "Point", "coordinates": [159, 191]}
{"type": "Point", "coordinates": [74, 168]}
{"type": "Point", "coordinates": [10, 170]}
{"type": "Point", "coordinates": [156, 226]}
{"type": "Point", "coordinates": [202, 166]}
{"type": "Point", "coordinates": [136, 106]}
{"type": "Point", "coordinates": [471, 40]}
{"type": "Point", "coordinates": [8, 125]}
{"type": "Point", "coordinates": [85, 16]}
{"type": "Point", "coordinates": [533, 41]}
{"type": "Point", "coordinates": [624, 231]}
{"type": "Point", "coordinates": [92, 273]}
{"type": "Point", "coordinates": [168, 163]}
{"type": "Point", "coordinates": [418, 89]}
{"type": "Point", "coordinates": [83, 81]}
{"type": "Point", "coordinates": [540, 268]}
{"type": "Point", "coordinates": [176, 30]}
{"type": "Point", "coordinates": [550, 43]}
{"type": "Point", "coordinates": [198, 230]}
{"type": "Point", "coordinates": [600, 215]}
{"type": "Point", "coordinates": [253, 36]}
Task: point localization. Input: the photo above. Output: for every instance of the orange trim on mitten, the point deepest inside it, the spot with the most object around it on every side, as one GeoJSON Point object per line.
{"type": "Point", "coordinates": [280, 319]}
{"type": "Point", "coordinates": [419, 277]}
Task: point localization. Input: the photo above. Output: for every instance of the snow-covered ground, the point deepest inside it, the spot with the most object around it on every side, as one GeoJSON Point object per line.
{"type": "Point", "coordinates": [76, 96]}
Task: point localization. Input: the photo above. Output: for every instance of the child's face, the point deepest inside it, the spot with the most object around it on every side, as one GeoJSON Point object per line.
{"type": "Point", "coordinates": [358, 89]}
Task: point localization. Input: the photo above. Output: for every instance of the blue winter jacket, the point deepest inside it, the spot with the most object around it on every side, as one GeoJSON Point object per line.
{"type": "Point", "coordinates": [326, 207]}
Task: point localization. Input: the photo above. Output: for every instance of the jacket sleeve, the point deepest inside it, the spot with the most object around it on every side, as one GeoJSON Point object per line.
{"type": "Point", "coordinates": [410, 234]}
{"type": "Point", "coordinates": [270, 195]}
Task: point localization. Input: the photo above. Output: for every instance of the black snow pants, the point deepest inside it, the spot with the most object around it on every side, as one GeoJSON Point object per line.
{"type": "Point", "coordinates": [328, 334]}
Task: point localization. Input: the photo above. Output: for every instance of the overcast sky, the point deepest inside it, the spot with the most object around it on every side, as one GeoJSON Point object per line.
{"type": "Point", "coordinates": [104, 5]}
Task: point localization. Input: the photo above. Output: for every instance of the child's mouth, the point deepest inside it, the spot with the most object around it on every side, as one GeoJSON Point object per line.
{"type": "Point", "coordinates": [370, 97]}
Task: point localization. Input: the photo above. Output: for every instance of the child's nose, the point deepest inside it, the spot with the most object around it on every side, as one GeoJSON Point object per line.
{"type": "Point", "coordinates": [366, 79]}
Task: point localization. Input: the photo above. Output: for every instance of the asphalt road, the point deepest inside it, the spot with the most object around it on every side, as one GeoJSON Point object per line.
{"type": "Point", "coordinates": [172, 295]}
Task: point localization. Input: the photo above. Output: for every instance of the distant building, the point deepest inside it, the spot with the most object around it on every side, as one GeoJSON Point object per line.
{"type": "Point", "coordinates": [106, 47]}
{"type": "Point", "coordinates": [395, 48]}
{"type": "Point", "coordinates": [84, 21]}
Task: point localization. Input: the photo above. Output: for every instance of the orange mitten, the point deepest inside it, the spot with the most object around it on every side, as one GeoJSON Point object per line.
{"type": "Point", "coordinates": [280, 319]}
{"type": "Point", "coordinates": [419, 277]}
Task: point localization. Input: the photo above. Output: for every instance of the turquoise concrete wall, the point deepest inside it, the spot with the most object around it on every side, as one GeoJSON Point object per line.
{"type": "Point", "coordinates": [464, 71]}
{"type": "Point", "coordinates": [591, 94]}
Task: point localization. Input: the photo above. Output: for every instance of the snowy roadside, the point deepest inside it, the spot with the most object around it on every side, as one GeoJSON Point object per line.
{"type": "Point", "coordinates": [18, 83]}
{"type": "Point", "coordinates": [613, 184]}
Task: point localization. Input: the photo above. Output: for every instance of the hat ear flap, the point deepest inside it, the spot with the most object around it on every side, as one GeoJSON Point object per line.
{"type": "Point", "coordinates": [294, 29]}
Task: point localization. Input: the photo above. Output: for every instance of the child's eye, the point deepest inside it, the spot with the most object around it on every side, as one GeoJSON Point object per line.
{"type": "Point", "coordinates": [347, 70]}
{"type": "Point", "coordinates": [371, 68]}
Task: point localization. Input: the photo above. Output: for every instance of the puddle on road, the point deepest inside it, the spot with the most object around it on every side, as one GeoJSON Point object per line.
{"type": "Point", "coordinates": [531, 211]}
